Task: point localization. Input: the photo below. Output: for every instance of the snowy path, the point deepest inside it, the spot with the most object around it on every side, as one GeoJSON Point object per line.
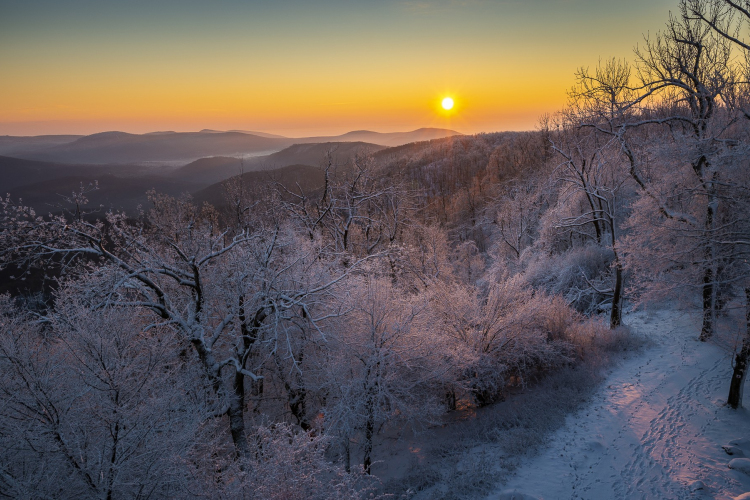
{"type": "Point", "coordinates": [654, 430]}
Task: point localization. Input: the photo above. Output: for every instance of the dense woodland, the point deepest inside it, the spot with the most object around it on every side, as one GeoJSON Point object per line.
{"type": "Point", "coordinates": [258, 346]}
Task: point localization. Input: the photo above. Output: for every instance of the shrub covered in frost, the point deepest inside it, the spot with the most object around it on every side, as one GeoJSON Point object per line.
{"type": "Point", "coordinates": [582, 275]}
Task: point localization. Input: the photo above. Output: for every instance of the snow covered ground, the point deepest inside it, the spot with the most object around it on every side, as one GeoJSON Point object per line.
{"type": "Point", "coordinates": [654, 431]}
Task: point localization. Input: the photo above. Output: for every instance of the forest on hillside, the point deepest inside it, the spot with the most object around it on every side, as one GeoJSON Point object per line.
{"type": "Point", "coordinates": [258, 346]}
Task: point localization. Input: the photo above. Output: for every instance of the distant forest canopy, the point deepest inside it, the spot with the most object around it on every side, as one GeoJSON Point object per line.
{"type": "Point", "coordinates": [257, 337]}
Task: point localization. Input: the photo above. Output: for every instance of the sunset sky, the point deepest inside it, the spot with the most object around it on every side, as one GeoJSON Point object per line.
{"type": "Point", "coordinates": [298, 67]}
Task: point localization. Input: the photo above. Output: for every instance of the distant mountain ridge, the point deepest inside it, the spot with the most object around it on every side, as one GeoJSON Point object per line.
{"type": "Point", "coordinates": [386, 138]}
{"type": "Point", "coordinates": [124, 148]}
{"type": "Point", "coordinates": [13, 145]}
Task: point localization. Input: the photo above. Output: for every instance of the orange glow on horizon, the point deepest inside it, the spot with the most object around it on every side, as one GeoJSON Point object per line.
{"type": "Point", "coordinates": [247, 66]}
{"type": "Point", "coordinates": [86, 107]}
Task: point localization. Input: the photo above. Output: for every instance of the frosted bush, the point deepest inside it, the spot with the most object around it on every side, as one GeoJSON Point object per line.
{"type": "Point", "coordinates": [580, 275]}
{"type": "Point", "coordinates": [289, 464]}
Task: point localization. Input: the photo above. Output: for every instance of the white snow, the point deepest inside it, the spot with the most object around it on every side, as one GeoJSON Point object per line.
{"type": "Point", "coordinates": [515, 495]}
{"type": "Point", "coordinates": [654, 431]}
{"type": "Point", "coordinates": [740, 464]}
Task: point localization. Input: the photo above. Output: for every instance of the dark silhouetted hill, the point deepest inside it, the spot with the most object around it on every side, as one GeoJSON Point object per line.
{"type": "Point", "coordinates": [44, 185]}
{"type": "Point", "coordinates": [16, 172]}
{"type": "Point", "coordinates": [313, 154]}
{"type": "Point", "coordinates": [210, 170]}
{"type": "Point", "coordinates": [293, 177]}
{"type": "Point", "coordinates": [118, 193]}
{"type": "Point", "coordinates": [15, 145]}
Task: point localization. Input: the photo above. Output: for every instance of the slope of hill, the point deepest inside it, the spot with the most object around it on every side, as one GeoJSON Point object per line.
{"type": "Point", "coordinates": [313, 154]}
{"type": "Point", "coordinates": [260, 134]}
{"type": "Point", "coordinates": [386, 139]}
{"type": "Point", "coordinates": [210, 170]}
{"type": "Point", "coordinates": [17, 172]}
{"type": "Point", "coordinates": [307, 177]}
{"type": "Point", "coordinates": [215, 169]}
{"type": "Point", "coordinates": [251, 132]}
{"type": "Point", "coordinates": [13, 145]}
{"type": "Point", "coordinates": [117, 193]}
{"type": "Point", "coordinates": [44, 185]}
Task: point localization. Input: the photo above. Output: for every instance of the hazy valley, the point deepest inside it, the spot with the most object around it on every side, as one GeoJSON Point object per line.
{"type": "Point", "coordinates": [47, 169]}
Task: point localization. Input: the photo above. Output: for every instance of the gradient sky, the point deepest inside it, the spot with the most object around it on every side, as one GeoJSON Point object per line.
{"type": "Point", "coordinates": [297, 67]}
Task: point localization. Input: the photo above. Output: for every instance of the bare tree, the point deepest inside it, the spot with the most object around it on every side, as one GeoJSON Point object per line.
{"type": "Point", "coordinates": [356, 211]}
{"type": "Point", "coordinates": [729, 18]}
{"type": "Point", "coordinates": [515, 216]}
{"type": "Point", "coordinates": [592, 169]}
{"type": "Point", "coordinates": [685, 78]}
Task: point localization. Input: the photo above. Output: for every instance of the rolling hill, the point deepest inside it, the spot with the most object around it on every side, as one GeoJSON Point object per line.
{"type": "Point", "coordinates": [44, 185]}
{"type": "Point", "coordinates": [218, 168]}
{"type": "Point", "coordinates": [386, 139]}
{"type": "Point", "coordinates": [313, 154]}
{"type": "Point", "coordinates": [306, 177]}
{"type": "Point", "coordinates": [121, 147]}
{"type": "Point", "coordinates": [15, 145]}
{"type": "Point", "coordinates": [123, 184]}
{"type": "Point", "coordinates": [210, 170]}
{"type": "Point", "coordinates": [117, 193]}
{"type": "Point", "coordinates": [183, 147]}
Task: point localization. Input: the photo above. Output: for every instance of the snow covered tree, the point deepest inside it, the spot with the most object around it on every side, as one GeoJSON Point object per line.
{"type": "Point", "coordinates": [93, 404]}
{"type": "Point", "coordinates": [385, 365]}
{"type": "Point", "coordinates": [674, 126]}
{"type": "Point", "coordinates": [225, 293]}
{"type": "Point", "coordinates": [515, 217]}
{"type": "Point", "coordinates": [503, 338]}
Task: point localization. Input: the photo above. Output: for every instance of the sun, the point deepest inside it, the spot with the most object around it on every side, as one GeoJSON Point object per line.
{"type": "Point", "coordinates": [447, 103]}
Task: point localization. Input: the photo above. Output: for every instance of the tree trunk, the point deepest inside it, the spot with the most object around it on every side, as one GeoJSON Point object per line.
{"type": "Point", "coordinates": [112, 461]}
{"type": "Point", "coordinates": [297, 399]}
{"type": "Point", "coordinates": [256, 390]}
{"type": "Point", "coordinates": [236, 410]}
{"type": "Point", "coordinates": [236, 415]}
{"type": "Point", "coordinates": [740, 361]}
{"type": "Point", "coordinates": [709, 292]}
{"type": "Point", "coordinates": [297, 395]}
{"type": "Point", "coordinates": [369, 433]}
{"type": "Point", "coordinates": [450, 399]}
{"type": "Point", "coordinates": [707, 328]}
{"type": "Point", "coordinates": [347, 455]}
{"type": "Point", "coordinates": [615, 318]}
